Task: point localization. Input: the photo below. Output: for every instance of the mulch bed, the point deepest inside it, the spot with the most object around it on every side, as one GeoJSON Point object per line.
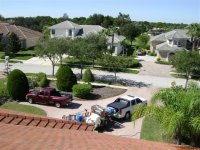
{"type": "Point", "coordinates": [99, 92]}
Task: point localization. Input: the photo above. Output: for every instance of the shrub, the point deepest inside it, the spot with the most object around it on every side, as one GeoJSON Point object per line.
{"type": "Point", "coordinates": [40, 76]}
{"type": "Point", "coordinates": [88, 76]}
{"type": "Point", "coordinates": [148, 52]}
{"type": "Point", "coordinates": [44, 82]}
{"type": "Point", "coordinates": [158, 59]}
{"type": "Point", "coordinates": [133, 63]}
{"type": "Point", "coordinates": [66, 79]}
{"type": "Point", "coordinates": [153, 53]}
{"type": "Point", "coordinates": [17, 85]}
{"type": "Point", "coordinates": [82, 90]}
{"type": "Point", "coordinates": [32, 83]}
{"type": "Point", "coordinates": [3, 88]}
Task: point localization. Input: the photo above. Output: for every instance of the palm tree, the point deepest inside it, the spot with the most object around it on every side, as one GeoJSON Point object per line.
{"type": "Point", "coordinates": [46, 32]}
{"type": "Point", "coordinates": [194, 32]}
{"type": "Point", "coordinates": [111, 32]}
{"type": "Point", "coordinates": [177, 109]}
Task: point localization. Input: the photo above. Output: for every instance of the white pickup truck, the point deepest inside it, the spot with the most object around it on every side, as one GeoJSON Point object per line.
{"type": "Point", "coordinates": [123, 106]}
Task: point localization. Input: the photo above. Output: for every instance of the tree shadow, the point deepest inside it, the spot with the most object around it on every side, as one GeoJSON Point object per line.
{"type": "Point", "coordinates": [110, 79]}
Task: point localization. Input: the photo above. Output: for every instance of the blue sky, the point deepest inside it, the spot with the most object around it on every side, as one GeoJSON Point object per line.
{"type": "Point", "coordinates": [179, 11]}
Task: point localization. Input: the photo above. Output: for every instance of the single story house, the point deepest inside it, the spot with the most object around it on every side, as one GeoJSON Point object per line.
{"type": "Point", "coordinates": [73, 30]}
{"type": "Point", "coordinates": [167, 44]}
{"type": "Point", "coordinates": [29, 38]}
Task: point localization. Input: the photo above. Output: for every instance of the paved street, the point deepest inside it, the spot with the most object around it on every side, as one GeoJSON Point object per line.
{"type": "Point", "coordinates": [146, 79]}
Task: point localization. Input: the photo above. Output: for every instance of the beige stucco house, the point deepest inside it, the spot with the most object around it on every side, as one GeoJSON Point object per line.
{"type": "Point", "coordinates": [28, 38]}
{"type": "Point", "coordinates": [167, 44]}
{"type": "Point", "coordinates": [73, 30]}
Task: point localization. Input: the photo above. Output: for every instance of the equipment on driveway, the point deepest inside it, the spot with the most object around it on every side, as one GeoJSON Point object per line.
{"type": "Point", "coordinates": [97, 116]}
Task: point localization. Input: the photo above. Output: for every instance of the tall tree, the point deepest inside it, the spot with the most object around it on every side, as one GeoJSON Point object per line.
{"type": "Point", "coordinates": [13, 43]}
{"type": "Point", "coordinates": [142, 41]}
{"type": "Point", "coordinates": [48, 49]}
{"type": "Point", "coordinates": [79, 51]}
{"type": "Point", "coordinates": [1, 18]}
{"type": "Point", "coordinates": [114, 63]}
{"type": "Point", "coordinates": [65, 16]}
{"type": "Point", "coordinates": [122, 20]}
{"type": "Point", "coordinates": [130, 31]}
{"type": "Point", "coordinates": [186, 62]}
{"type": "Point", "coordinates": [63, 46]}
{"type": "Point", "coordinates": [96, 46]}
{"type": "Point", "coordinates": [79, 20]}
{"type": "Point", "coordinates": [194, 32]}
{"type": "Point", "coordinates": [95, 19]}
{"type": "Point", "coordinates": [46, 32]}
{"type": "Point", "coordinates": [107, 22]}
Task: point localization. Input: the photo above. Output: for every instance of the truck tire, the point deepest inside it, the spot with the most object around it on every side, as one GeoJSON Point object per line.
{"type": "Point", "coordinates": [30, 100]}
{"type": "Point", "coordinates": [57, 104]}
{"type": "Point", "coordinates": [127, 116]}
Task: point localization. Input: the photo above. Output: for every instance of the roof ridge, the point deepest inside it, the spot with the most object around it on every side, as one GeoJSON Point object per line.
{"type": "Point", "coordinates": [29, 30]}
{"type": "Point", "coordinates": [6, 28]}
{"type": "Point", "coordinates": [20, 31]}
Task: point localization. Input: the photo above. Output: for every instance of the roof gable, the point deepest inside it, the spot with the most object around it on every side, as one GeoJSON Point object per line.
{"type": "Point", "coordinates": [65, 25]}
{"type": "Point", "coordinates": [174, 34]}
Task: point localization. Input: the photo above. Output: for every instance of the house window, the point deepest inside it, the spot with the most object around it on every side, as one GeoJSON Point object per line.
{"type": "Point", "coordinates": [70, 32]}
{"type": "Point", "coordinates": [53, 31]}
{"type": "Point", "coordinates": [176, 42]}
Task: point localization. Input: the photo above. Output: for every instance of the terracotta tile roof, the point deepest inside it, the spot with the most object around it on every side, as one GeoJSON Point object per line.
{"type": "Point", "coordinates": [27, 120]}
{"type": "Point", "coordinates": [29, 137]}
{"type": "Point", "coordinates": [27, 132]}
{"type": "Point", "coordinates": [22, 32]}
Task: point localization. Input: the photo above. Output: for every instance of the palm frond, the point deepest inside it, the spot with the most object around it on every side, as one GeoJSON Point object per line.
{"type": "Point", "coordinates": [195, 123]}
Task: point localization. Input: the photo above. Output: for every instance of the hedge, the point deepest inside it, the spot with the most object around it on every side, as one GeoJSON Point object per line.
{"type": "Point", "coordinates": [66, 79]}
{"type": "Point", "coordinates": [81, 90]}
{"type": "Point", "coordinates": [88, 76]}
{"type": "Point", "coordinates": [17, 85]}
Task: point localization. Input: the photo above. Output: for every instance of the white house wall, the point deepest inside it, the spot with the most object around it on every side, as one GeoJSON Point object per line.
{"type": "Point", "coordinates": [59, 33]}
{"type": "Point", "coordinates": [118, 49]}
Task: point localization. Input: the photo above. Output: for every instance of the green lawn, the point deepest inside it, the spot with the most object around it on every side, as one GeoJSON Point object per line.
{"type": "Point", "coordinates": [23, 108]}
{"type": "Point", "coordinates": [10, 61]}
{"type": "Point", "coordinates": [2, 54]}
{"type": "Point", "coordinates": [151, 130]}
{"type": "Point", "coordinates": [21, 55]}
{"type": "Point", "coordinates": [132, 71]}
{"type": "Point", "coordinates": [24, 55]}
{"type": "Point", "coordinates": [163, 62]}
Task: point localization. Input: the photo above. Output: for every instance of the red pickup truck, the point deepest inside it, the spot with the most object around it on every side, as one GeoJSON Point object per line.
{"type": "Point", "coordinates": [48, 96]}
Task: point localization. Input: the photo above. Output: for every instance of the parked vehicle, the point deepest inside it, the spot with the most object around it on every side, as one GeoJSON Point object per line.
{"type": "Point", "coordinates": [49, 96]}
{"type": "Point", "coordinates": [123, 106]}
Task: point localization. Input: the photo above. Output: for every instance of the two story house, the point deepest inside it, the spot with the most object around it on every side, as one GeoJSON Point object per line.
{"type": "Point", "coordinates": [73, 30]}
{"type": "Point", "coordinates": [167, 44]}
